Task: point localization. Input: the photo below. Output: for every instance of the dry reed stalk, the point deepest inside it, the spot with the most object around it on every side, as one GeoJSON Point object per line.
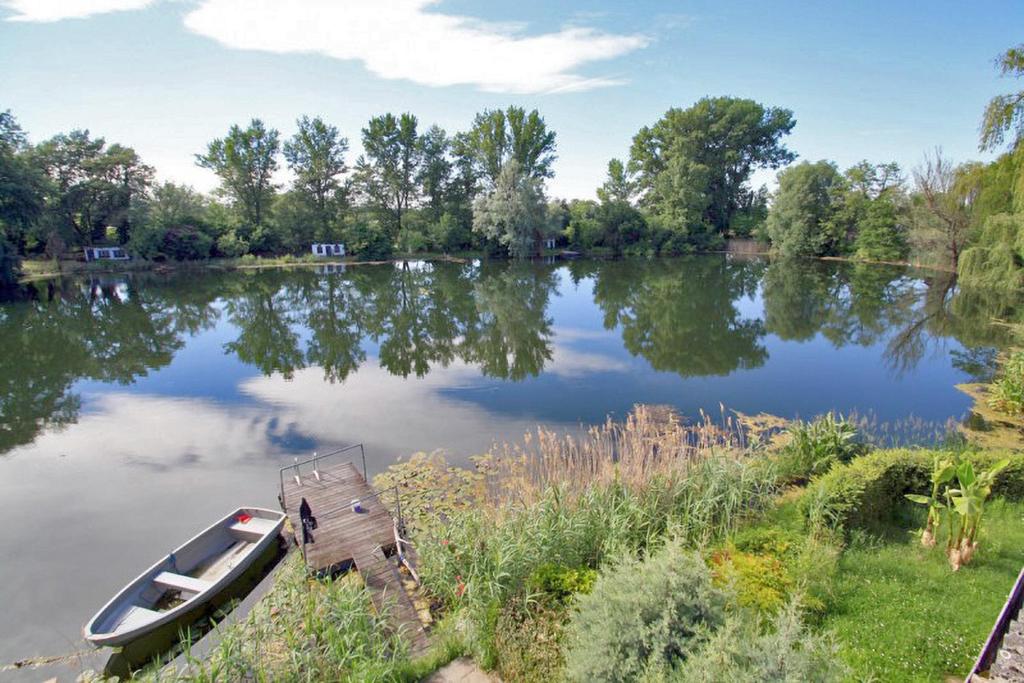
{"type": "Point", "coordinates": [653, 442]}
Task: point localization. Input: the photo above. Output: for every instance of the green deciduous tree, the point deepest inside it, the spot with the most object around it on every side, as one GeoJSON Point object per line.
{"type": "Point", "coordinates": [245, 161]}
{"type": "Point", "coordinates": [21, 195]}
{"type": "Point", "coordinates": [316, 155]}
{"type": "Point", "coordinates": [386, 173]}
{"type": "Point", "coordinates": [513, 213]}
{"type": "Point", "coordinates": [799, 217]}
{"type": "Point", "coordinates": [435, 173]}
{"type": "Point", "coordinates": [867, 219]}
{"type": "Point", "coordinates": [498, 137]}
{"type": "Point", "coordinates": [91, 186]}
{"type": "Point", "coordinates": [881, 236]}
{"type": "Point", "coordinates": [172, 223]}
{"type": "Point", "coordinates": [616, 187]}
{"type": "Point", "coordinates": [692, 166]}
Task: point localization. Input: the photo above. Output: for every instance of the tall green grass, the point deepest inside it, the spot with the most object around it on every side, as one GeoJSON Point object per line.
{"type": "Point", "coordinates": [483, 557]}
{"type": "Point", "coordinates": [305, 630]}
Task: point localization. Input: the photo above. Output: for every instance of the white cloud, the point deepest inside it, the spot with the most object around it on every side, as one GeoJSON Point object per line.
{"type": "Point", "coordinates": [402, 39]}
{"type": "Point", "coordinates": [55, 10]}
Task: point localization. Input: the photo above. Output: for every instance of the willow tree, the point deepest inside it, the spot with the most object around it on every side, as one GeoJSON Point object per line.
{"type": "Point", "coordinates": [1004, 115]}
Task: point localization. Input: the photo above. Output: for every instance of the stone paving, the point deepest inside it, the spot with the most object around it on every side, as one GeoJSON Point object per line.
{"type": "Point", "coordinates": [462, 670]}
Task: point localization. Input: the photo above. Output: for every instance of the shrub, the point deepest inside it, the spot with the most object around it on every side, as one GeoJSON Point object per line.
{"type": "Point", "coordinates": [759, 581]}
{"type": "Point", "coordinates": [744, 651]}
{"type": "Point", "coordinates": [765, 541]}
{"type": "Point", "coordinates": [868, 490]}
{"type": "Point", "coordinates": [642, 616]}
{"type": "Point", "coordinates": [231, 245]}
{"type": "Point", "coordinates": [814, 447]}
{"type": "Point", "coordinates": [562, 582]}
{"type": "Point", "coordinates": [368, 240]}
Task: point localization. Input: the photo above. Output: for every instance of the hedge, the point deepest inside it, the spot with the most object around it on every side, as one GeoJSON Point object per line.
{"type": "Point", "coordinates": [867, 490]}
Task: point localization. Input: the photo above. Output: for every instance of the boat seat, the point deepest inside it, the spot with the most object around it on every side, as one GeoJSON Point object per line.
{"type": "Point", "coordinates": [181, 582]}
{"type": "Point", "coordinates": [135, 616]}
{"type": "Point", "coordinates": [253, 530]}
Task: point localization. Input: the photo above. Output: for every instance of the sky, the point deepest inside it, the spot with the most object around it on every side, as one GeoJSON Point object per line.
{"type": "Point", "coordinates": [883, 81]}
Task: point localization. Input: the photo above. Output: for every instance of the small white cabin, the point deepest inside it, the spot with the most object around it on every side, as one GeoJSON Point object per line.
{"type": "Point", "coordinates": [105, 254]}
{"type": "Point", "coordinates": [549, 243]}
{"type": "Point", "coordinates": [328, 249]}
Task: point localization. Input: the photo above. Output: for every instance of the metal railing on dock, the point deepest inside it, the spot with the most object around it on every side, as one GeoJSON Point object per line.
{"type": "Point", "coordinates": [296, 467]}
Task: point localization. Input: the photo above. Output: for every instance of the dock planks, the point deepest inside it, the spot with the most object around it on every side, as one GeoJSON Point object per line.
{"type": "Point", "coordinates": [344, 538]}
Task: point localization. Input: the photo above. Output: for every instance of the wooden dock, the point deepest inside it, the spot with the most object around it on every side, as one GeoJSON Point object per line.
{"type": "Point", "coordinates": [345, 539]}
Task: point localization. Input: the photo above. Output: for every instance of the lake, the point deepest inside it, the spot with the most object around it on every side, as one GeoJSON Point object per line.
{"type": "Point", "coordinates": [134, 410]}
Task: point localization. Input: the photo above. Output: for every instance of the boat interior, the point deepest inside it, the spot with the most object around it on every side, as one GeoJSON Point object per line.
{"type": "Point", "coordinates": [187, 572]}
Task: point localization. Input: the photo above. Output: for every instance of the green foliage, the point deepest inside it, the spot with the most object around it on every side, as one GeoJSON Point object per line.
{"type": "Point", "coordinates": [617, 187]}
{"type": "Point", "coordinates": [799, 217]}
{"type": "Point", "coordinates": [814, 447]}
{"type": "Point", "coordinates": [782, 650]}
{"type": "Point", "coordinates": [173, 223]}
{"type": "Point", "coordinates": [22, 186]}
{"type": "Point", "coordinates": [89, 187]}
{"type": "Point", "coordinates": [880, 237]}
{"type": "Point", "coordinates": [245, 161]}
{"type": "Point", "coordinates": [758, 581]}
{"type": "Point", "coordinates": [480, 562]}
{"type": "Point", "coordinates": [692, 166]}
{"type": "Point", "coordinates": [643, 616]}
{"type": "Point", "coordinates": [513, 213]}
{"type": "Point", "coordinates": [499, 137]}
{"type": "Point", "coordinates": [866, 492]}
{"type": "Point", "coordinates": [996, 257]}
{"type": "Point", "coordinates": [1004, 115]}
{"type": "Point", "coordinates": [562, 582]}
{"type": "Point", "coordinates": [750, 216]}
{"type": "Point", "coordinates": [1006, 393]}
{"type": "Point", "coordinates": [366, 240]}
{"type": "Point", "coordinates": [316, 155]}
{"type": "Point", "coordinates": [230, 244]}
{"type": "Point", "coordinates": [306, 630]}
{"type": "Point", "coordinates": [386, 173]}
{"type": "Point", "coordinates": [10, 265]}
{"type": "Point", "coordinates": [450, 233]}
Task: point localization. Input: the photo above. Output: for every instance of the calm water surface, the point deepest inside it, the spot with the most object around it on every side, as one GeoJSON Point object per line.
{"type": "Point", "coordinates": [135, 410]}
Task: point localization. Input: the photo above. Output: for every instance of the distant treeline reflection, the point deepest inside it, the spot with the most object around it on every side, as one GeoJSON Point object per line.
{"type": "Point", "coordinates": [684, 316]}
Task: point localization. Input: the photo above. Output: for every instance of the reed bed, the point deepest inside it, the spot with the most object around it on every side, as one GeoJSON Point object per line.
{"type": "Point", "coordinates": [653, 442]}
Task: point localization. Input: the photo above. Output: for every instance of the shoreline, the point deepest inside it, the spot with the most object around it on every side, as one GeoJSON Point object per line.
{"type": "Point", "coordinates": [35, 270]}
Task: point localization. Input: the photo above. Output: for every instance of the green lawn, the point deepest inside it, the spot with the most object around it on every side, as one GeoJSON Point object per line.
{"type": "Point", "coordinates": [900, 614]}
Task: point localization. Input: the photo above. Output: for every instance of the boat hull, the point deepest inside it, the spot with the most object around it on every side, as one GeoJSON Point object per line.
{"type": "Point", "coordinates": [184, 581]}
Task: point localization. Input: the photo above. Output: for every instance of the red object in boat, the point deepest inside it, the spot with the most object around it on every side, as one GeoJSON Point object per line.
{"type": "Point", "coordinates": [243, 518]}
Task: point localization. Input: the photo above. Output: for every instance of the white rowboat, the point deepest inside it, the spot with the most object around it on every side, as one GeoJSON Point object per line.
{"type": "Point", "coordinates": [188, 577]}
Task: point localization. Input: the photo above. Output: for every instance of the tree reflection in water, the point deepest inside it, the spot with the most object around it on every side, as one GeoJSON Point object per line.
{"type": "Point", "coordinates": [699, 316]}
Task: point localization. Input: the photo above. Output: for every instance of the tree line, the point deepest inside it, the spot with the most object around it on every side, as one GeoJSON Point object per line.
{"type": "Point", "coordinates": [685, 187]}
{"type": "Point", "coordinates": [411, 189]}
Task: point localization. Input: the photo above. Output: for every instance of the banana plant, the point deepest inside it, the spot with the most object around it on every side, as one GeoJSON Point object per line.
{"type": "Point", "coordinates": [943, 471]}
{"type": "Point", "coordinates": [967, 506]}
